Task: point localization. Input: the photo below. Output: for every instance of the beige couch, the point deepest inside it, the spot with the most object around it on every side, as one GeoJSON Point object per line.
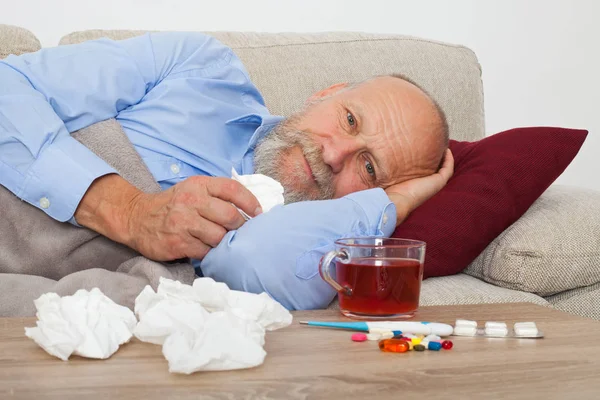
{"type": "Point", "coordinates": [549, 257]}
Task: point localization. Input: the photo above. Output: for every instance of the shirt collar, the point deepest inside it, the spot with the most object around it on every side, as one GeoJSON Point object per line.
{"type": "Point", "coordinates": [264, 123]}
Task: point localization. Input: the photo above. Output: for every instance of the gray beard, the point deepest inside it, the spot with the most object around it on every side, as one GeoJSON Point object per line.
{"type": "Point", "coordinates": [268, 157]}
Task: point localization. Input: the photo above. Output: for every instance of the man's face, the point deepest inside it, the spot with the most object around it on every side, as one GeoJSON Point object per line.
{"type": "Point", "coordinates": [379, 133]}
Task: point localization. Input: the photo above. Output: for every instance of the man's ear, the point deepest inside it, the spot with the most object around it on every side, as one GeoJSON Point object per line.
{"type": "Point", "coordinates": [321, 94]}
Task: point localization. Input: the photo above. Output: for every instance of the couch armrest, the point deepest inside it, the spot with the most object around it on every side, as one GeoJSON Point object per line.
{"type": "Point", "coordinates": [553, 247]}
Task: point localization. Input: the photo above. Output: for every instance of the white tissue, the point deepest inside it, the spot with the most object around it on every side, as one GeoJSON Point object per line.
{"type": "Point", "coordinates": [87, 324]}
{"type": "Point", "coordinates": [225, 342]}
{"type": "Point", "coordinates": [207, 326]}
{"type": "Point", "coordinates": [267, 190]}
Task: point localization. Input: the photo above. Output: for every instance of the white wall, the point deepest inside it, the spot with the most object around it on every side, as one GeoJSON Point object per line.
{"type": "Point", "coordinates": [540, 58]}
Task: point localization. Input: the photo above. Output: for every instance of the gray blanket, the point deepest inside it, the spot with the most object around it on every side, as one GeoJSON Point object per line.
{"type": "Point", "coordinates": [39, 254]}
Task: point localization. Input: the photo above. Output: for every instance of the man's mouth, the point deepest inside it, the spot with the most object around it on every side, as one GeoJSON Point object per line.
{"type": "Point", "coordinates": [307, 168]}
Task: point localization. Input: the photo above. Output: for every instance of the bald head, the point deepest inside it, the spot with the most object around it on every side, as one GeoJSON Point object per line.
{"type": "Point", "coordinates": [376, 133]}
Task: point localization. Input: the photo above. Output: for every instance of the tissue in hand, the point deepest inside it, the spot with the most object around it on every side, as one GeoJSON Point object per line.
{"type": "Point", "coordinates": [207, 326]}
{"type": "Point", "coordinates": [88, 324]}
{"type": "Point", "coordinates": [268, 191]}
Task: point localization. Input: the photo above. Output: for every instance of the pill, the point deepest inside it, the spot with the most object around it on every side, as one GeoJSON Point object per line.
{"type": "Point", "coordinates": [493, 324]}
{"type": "Point", "coordinates": [464, 322]}
{"type": "Point", "coordinates": [435, 346]}
{"type": "Point", "coordinates": [526, 324]}
{"type": "Point", "coordinates": [359, 337]}
{"type": "Point", "coordinates": [394, 345]}
{"type": "Point", "coordinates": [406, 338]}
{"type": "Point", "coordinates": [432, 338]}
{"type": "Point", "coordinates": [397, 333]}
{"type": "Point", "coordinates": [425, 343]}
{"type": "Point", "coordinates": [415, 340]}
{"type": "Point", "coordinates": [447, 344]}
{"type": "Point", "coordinates": [465, 330]}
{"type": "Point", "coordinates": [410, 345]}
{"type": "Point", "coordinates": [419, 347]}
{"type": "Point", "coordinates": [526, 329]}
{"type": "Point", "coordinates": [387, 335]}
{"type": "Point", "coordinates": [373, 336]}
{"type": "Point", "coordinates": [496, 331]}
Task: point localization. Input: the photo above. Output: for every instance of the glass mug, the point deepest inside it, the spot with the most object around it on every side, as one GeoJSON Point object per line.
{"type": "Point", "coordinates": [375, 277]}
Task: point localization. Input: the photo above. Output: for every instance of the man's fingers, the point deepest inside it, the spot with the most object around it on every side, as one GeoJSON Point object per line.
{"type": "Point", "coordinates": [207, 232]}
{"type": "Point", "coordinates": [196, 249]}
{"type": "Point", "coordinates": [222, 213]}
{"type": "Point", "coordinates": [448, 166]}
{"type": "Point", "coordinates": [234, 192]}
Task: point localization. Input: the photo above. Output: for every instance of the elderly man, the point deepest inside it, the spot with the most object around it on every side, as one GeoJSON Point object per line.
{"type": "Point", "coordinates": [370, 153]}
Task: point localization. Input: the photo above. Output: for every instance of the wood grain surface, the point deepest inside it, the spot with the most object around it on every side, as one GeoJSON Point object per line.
{"type": "Point", "coordinates": [314, 363]}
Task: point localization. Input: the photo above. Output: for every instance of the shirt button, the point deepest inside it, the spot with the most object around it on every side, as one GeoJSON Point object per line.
{"type": "Point", "coordinates": [385, 219]}
{"type": "Point", "coordinates": [175, 168]}
{"type": "Point", "coordinates": [44, 202]}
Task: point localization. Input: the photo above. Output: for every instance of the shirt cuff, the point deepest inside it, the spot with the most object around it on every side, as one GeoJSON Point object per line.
{"type": "Point", "coordinates": [60, 176]}
{"type": "Point", "coordinates": [379, 209]}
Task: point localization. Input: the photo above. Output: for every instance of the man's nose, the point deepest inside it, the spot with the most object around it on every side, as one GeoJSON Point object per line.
{"type": "Point", "coordinates": [337, 149]}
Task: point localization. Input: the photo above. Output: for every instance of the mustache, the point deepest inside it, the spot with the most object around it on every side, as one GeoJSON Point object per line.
{"type": "Point", "coordinates": [271, 151]}
{"type": "Point", "coordinates": [314, 157]}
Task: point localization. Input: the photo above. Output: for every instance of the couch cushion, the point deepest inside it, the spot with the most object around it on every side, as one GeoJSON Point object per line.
{"type": "Point", "coordinates": [464, 289]}
{"type": "Point", "coordinates": [15, 40]}
{"type": "Point", "coordinates": [583, 301]}
{"type": "Point", "coordinates": [495, 181]}
{"type": "Point", "coordinates": [554, 247]}
{"type": "Point", "coordinates": [289, 67]}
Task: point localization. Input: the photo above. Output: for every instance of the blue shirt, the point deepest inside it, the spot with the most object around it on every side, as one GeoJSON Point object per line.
{"type": "Point", "coordinates": [187, 104]}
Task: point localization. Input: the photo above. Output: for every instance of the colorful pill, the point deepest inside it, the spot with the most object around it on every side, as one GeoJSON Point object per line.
{"type": "Point", "coordinates": [397, 333]}
{"type": "Point", "coordinates": [447, 344]}
{"type": "Point", "coordinates": [416, 340]}
{"type": "Point", "coordinates": [435, 346]}
{"type": "Point", "coordinates": [419, 347]}
{"type": "Point", "coordinates": [359, 337]}
{"type": "Point", "coordinates": [394, 346]}
{"type": "Point", "coordinates": [373, 336]}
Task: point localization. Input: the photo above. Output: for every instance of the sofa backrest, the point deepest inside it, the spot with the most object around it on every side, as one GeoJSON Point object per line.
{"type": "Point", "coordinates": [289, 67]}
{"type": "Point", "coordinates": [15, 40]}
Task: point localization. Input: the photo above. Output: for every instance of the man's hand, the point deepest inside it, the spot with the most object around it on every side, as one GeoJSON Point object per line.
{"type": "Point", "coordinates": [186, 220]}
{"type": "Point", "coordinates": [409, 195]}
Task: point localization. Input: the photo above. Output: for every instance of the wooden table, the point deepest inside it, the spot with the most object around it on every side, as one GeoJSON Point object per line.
{"type": "Point", "coordinates": [306, 362]}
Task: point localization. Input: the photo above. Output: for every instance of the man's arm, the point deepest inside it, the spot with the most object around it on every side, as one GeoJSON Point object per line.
{"type": "Point", "coordinates": [44, 96]}
{"type": "Point", "coordinates": [279, 252]}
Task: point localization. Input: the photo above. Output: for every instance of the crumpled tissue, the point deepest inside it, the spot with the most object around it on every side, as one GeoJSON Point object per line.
{"type": "Point", "coordinates": [88, 324]}
{"type": "Point", "coordinates": [207, 326]}
{"type": "Point", "coordinates": [267, 191]}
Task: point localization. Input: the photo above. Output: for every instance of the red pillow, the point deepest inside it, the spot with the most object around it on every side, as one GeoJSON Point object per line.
{"type": "Point", "coordinates": [495, 181]}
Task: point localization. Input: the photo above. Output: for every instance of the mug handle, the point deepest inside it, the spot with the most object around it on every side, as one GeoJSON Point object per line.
{"type": "Point", "coordinates": [325, 264]}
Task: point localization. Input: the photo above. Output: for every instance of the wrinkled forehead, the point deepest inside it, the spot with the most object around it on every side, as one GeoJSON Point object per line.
{"type": "Point", "coordinates": [401, 124]}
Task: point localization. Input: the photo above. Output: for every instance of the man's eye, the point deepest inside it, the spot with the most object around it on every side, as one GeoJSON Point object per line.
{"type": "Point", "coordinates": [369, 167]}
{"type": "Point", "coordinates": [351, 119]}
